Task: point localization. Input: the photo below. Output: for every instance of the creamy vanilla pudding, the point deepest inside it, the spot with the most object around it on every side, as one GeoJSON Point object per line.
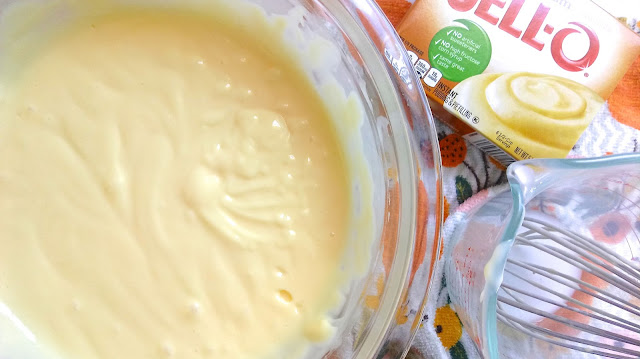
{"type": "Point", "coordinates": [171, 188]}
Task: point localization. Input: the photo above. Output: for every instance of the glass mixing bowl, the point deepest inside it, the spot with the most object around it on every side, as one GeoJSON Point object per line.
{"type": "Point", "coordinates": [408, 196]}
{"type": "Point", "coordinates": [383, 309]}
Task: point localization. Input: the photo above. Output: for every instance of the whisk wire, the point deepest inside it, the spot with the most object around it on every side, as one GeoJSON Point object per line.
{"type": "Point", "coordinates": [549, 335]}
{"type": "Point", "coordinates": [586, 263]}
{"type": "Point", "coordinates": [604, 316]}
{"type": "Point", "coordinates": [619, 275]}
{"type": "Point", "coordinates": [604, 256]}
{"type": "Point", "coordinates": [569, 323]}
{"type": "Point", "coordinates": [576, 263]}
{"type": "Point", "coordinates": [601, 249]}
{"type": "Point", "coordinates": [573, 283]}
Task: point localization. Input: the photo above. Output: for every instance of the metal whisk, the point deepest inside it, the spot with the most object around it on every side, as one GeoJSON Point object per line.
{"type": "Point", "coordinates": [570, 290]}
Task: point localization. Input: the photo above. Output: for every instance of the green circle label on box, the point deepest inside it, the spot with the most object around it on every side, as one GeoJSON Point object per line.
{"type": "Point", "coordinates": [460, 51]}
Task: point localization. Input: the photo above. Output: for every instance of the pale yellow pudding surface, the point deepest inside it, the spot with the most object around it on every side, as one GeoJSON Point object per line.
{"type": "Point", "coordinates": [170, 188]}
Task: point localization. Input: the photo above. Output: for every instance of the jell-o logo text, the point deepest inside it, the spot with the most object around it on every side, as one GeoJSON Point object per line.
{"type": "Point", "coordinates": [497, 12]}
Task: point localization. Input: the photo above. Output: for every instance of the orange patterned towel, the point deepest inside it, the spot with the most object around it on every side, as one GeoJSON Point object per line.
{"type": "Point", "coordinates": [624, 103]}
{"type": "Point", "coordinates": [394, 9]}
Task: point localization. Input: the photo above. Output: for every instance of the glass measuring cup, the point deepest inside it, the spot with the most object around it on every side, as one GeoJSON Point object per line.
{"type": "Point", "coordinates": [596, 198]}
